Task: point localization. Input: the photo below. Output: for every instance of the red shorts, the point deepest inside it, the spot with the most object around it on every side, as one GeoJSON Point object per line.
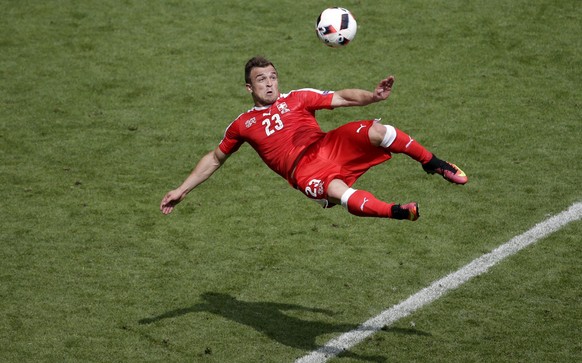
{"type": "Point", "coordinates": [344, 153]}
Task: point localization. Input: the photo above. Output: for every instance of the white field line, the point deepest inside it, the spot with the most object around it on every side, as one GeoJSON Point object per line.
{"type": "Point", "coordinates": [442, 286]}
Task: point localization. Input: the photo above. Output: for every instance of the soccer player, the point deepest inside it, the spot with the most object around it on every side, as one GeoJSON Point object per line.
{"type": "Point", "coordinates": [323, 165]}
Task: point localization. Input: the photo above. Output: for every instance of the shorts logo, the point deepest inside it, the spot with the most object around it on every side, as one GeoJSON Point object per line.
{"type": "Point", "coordinates": [314, 188]}
{"type": "Point", "coordinates": [359, 128]}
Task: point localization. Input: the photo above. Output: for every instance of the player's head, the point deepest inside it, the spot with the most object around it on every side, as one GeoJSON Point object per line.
{"type": "Point", "coordinates": [262, 81]}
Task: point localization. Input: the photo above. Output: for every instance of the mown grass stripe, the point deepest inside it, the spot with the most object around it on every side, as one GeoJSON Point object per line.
{"type": "Point", "coordinates": [440, 287]}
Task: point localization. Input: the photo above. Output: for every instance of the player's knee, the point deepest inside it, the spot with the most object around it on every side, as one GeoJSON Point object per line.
{"type": "Point", "coordinates": [389, 135]}
{"type": "Point", "coordinates": [336, 190]}
{"type": "Point", "coordinates": [377, 133]}
{"type": "Point", "coordinates": [346, 196]}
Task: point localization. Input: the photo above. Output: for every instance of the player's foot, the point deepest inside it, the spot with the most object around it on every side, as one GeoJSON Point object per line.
{"type": "Point", "coordinates": [407, 211]}
{"type": "Point", "coordinates": [449, 171]}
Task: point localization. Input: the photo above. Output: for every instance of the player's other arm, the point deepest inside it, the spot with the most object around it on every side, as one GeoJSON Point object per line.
{"type": "Point", "coordinates": [359, 97]}
{"type": "Point", "coordinates": [203, 170]}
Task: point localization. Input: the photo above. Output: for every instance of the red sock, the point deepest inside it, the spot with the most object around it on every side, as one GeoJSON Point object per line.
{"type": "Point", "coordinates": [363, 204]}
{"type": "Point", "coordinates": [403, 143]}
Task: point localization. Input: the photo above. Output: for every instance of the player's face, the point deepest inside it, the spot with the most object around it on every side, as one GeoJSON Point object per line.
{"type": "Point", "coordinates": [264, 85]}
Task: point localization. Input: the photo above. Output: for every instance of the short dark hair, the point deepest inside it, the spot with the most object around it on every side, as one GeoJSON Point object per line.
{"type": "Point", "coordinates": [256, 62]}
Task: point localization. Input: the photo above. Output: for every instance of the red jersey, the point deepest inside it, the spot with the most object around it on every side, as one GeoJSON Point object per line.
{"type": "Point", "coordinates": [281, 131]}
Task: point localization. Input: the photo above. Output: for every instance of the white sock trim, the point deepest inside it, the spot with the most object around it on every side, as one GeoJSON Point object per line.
{"type": "Point", "coordinates": [347, 194]}
{"type": "Point", "coordinates": [389, 137]}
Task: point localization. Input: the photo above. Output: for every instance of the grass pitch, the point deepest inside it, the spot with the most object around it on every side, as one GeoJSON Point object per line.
{"type": "Point", "coordinates": [104, 106]}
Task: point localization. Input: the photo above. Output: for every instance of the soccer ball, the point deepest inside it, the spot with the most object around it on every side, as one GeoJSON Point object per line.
{"type": "Point", "coordinates": [336, 27]}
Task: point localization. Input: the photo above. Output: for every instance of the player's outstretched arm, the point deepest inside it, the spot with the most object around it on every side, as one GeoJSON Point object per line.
{"type": "Point", "coordinates": [384, 89]}
{"type": "Point", "coordinates": [203, 170]}
{"type": "Point", "coordinates": [359, 97]}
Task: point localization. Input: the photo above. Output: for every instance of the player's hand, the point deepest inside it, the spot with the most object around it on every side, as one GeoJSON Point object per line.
{"type": "Point", "coordinates": [384, 89]}
{"type": "Point", "coordinates": [170, 200]}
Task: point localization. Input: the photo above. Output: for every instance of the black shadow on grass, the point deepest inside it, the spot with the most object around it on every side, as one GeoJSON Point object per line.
{"type": "Point", "coordinates": [268, 318]}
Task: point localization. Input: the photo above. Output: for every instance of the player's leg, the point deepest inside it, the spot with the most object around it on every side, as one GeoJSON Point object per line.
{"type": "Point", "coordinates": [397, 141]}
{"type": "Point", "coordinates": [363, 204]}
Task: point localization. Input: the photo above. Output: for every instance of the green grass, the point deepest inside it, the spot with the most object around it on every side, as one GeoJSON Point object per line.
{"type": "Point", "coordinates": [104, 106]}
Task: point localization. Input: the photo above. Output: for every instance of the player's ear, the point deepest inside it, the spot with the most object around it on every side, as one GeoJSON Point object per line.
{"type": "Point", "coordinates": [249, 87]}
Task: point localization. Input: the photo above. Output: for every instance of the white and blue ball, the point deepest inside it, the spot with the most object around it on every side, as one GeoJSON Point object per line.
{"type": "Point", "coordinates": [336, 27]}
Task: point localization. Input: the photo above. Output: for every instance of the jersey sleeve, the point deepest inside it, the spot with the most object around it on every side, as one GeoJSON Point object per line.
{"type": "Point", "coordinates": [315, 99]}
{"type": "Point", "coordinates": [232, 140]}
{"type": "Point", "coordinates": [318, 100]}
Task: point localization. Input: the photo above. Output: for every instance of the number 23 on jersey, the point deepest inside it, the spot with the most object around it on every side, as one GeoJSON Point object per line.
{"type": "Point", "coordinates": [273, 124]}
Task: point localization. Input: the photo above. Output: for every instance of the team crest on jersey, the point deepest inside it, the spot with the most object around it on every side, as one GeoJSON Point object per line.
{"type": "Point", "coordinates": [250, 122]}
{"type": "Point", "coordinates": [283, 108]}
